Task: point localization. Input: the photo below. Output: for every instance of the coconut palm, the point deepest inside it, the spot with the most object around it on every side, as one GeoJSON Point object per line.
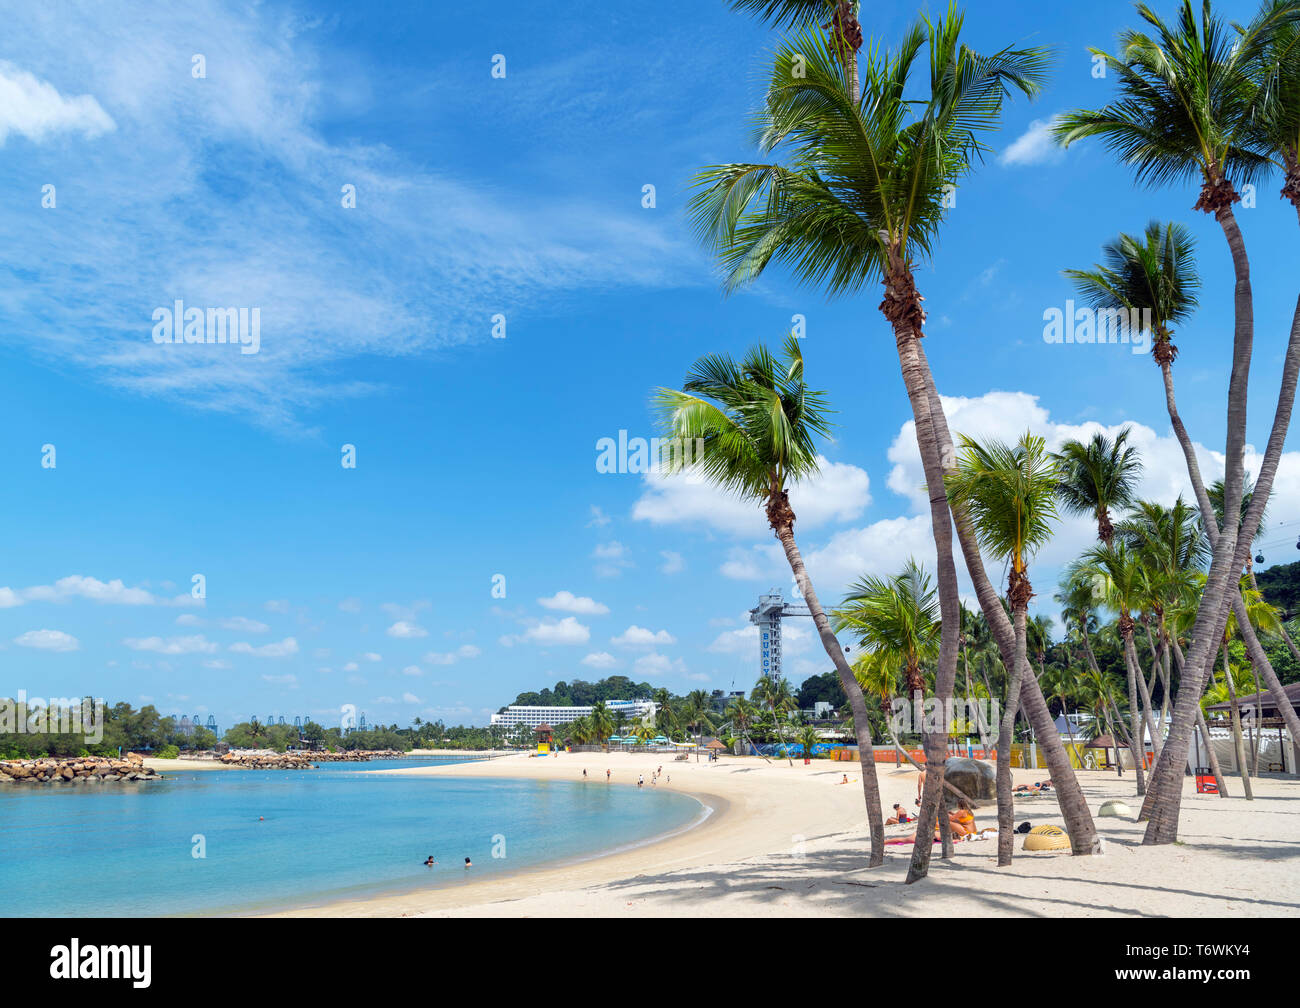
{"type": "Point", "coordinates": [1185, 111]}
{"type": "Point", "coordinates": [1009, 492]}
{"type": "Point", "coordinates": [861, 199]}
{"type": "Point", "coordinates": [773, 692]}
{"type": "Point", "coordinates": [1274, 112]}
{"type": "Point", "coordinates": [756, 423]}
{"type": "Point", "coordinates": [846, 31]}
{"type": "Point", "coordinates": [601, 722]}
{"type": "Point", "coordinates": [809, 739]}
{"type": "Point", "coordinates": [1097, 478]}
{"type": "Point", "coordinates": [1118, 582]}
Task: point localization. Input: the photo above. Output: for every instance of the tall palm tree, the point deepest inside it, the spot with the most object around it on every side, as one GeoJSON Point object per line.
{"type": "Point", "coordinates": [846, 31]}
{"type": "Point", "coordinates": [1275, 103]}
{"type": "Point", "coordinates": [1154, 278]}
{"type": "Point", "coordinates": [1117, 580]}
{"type": "Point", "coordinates": [1009, 492]}
{"type": "Point", "coordinates": [756, 422]}
{"type": "Point", "coordinates": [774, 693]}
{"type": "Point", "coordinates": [1185, 111]}
{"type": "Point", "coordinates": [861, 199]}
{"type": "Point", "coordinates": [601, 722]}
{"type": "Point", "coordinates": [1097, 478]}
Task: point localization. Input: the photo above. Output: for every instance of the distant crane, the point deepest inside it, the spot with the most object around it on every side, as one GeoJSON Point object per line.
{"type": "Point", "coordinates": [767, 615]}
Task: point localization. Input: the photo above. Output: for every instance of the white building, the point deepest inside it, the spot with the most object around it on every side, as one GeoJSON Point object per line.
{"type": "Point", "coordinates": [633, 710]}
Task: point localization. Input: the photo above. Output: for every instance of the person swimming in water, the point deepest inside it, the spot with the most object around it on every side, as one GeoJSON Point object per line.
{"type": "Point", "coordinates": [429, 861]}
{"type": "Point", "coordinates": [469, 863]}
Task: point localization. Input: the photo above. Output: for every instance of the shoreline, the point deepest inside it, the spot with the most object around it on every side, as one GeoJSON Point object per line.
{"type": "Point", "coordinates": [790, 841]}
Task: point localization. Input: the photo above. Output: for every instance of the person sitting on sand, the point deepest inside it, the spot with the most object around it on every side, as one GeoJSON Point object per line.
{"type": "Point", "coordinates": [899, 817]}
{"type": "Point", "coordinates": [963, 819]}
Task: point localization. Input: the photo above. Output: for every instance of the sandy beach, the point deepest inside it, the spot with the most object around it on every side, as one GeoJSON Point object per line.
{"type": "Point", "coordinates": [780, 840]}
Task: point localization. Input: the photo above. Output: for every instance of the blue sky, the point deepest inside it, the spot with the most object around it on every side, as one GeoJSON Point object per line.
{"type": "Point", "coordinates": [475, 456]}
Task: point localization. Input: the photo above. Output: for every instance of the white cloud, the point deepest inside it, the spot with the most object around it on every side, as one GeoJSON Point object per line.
{"type": "Point", "coordinates": [282, 649]}
{"type": "Point", "coordinates": [656, 666]}
{"type": "Point", "coordinates": [451, 657]}
{"type": "Point", "coordinates": [673, 562]}
{"type": "Point", "coordinates": [413, 670]}
{"type": "Point", "coordinates": [600, 660]}
{"type": "Point", "coordinates": [598, 518]}
{"type": "Point", "coordinates": [636, 636]}
{"type": "Point", "coordinates": [193, 644]}
{"type": "Point", "coordinates": [403, 629]}
{"type": "Point", "coordinates": [411, 698]}
{"type": "Point", "coordinates": [563, 631]}
{"type": "Point", "coordinates": [350, 605]}
{"type": "Point", "coordinates": [1034, 146]}
{"type": "Point", "coordinates": [612, 558]}
{"type": "Point", "coordinates": [839, 492]}
{"type": "Point", "coordinates": [35, 109]}
{"type": "Point", "coordinates": [566, 601]}
{"type": "Point", "coordinates": [47, 640]}
{"type": "Point", "coordinates": [282, 680]}
{"type": "Point", "coordinates": [280, 606]}
{"type": "Point", "coordinates": [78, 586]}
{"type": "Point", "coordinates": [245, 624]}
{"type": "Point", "coordinates": [372, 656]}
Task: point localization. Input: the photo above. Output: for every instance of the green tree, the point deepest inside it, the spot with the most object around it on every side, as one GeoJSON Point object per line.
{"type": "Point", "coordinates": [754, 424]}
{"type": "Point", "coordinates": [1009, 492]}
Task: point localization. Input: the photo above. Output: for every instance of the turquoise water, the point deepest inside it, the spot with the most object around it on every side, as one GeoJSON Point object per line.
{"type": "Point", "coordinates": [331, 833]}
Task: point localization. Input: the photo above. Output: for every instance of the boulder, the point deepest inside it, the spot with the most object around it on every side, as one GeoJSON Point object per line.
{"type": "Point", "coordinates": [974, 778]}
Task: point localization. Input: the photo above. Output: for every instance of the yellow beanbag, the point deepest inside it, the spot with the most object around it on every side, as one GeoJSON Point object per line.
{"type": "Point", "coordinates": [1047, 838]}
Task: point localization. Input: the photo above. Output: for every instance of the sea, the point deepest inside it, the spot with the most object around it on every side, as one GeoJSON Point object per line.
{"type": "Point", "coordinates": [233, 842]}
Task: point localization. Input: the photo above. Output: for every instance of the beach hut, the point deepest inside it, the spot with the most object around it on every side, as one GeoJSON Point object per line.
{"type": "Point", "coordinates": [715, 748]}
{"type": "Point", "coordinates": [1105, 743]}
{"type": "Point", "coordinates": [545, 737]}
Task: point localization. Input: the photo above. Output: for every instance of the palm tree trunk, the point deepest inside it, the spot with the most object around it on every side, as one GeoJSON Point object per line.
{"type": "Point", "coordinates": [1238, 743]}
{"type": "Point", "coordinates": [849, 683]}
{"type": "Point", "coordinates": [1136, 747]}
{"type": "Point", "coordinates": [1144, 690]}
{"type": "Point", "coordinates": [1164, 804]}
{"type": "Point", "coordinates": [1210, 754]}
{"type": "Point", "coordinates": [1006, 731]}
{"type": "Point", "coordinates": [1070, 797]}
{"type": "Point", "coordinates": [902, 307]}
{"type": "Point", "coordinates": [1163, 828]}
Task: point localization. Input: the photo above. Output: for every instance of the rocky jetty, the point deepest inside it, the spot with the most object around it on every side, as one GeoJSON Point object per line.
{"type": "Point", "coordinates": [76, 770]}
{"type": "Point", "coordinates": [267, 760]}
{"type": "Point", "coordinates": [356, 755]}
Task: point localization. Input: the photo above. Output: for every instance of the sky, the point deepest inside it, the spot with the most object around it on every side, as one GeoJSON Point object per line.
{"type": "Point", "coordinates": [394, 503]}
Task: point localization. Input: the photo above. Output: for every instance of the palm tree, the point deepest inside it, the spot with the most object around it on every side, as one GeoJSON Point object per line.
{"type": "Point", "coordinates": [846, 31]}
{"type": "Point", "coordinates": [809, 739]}
{"type": "Point", "coordinates": [1274, 112]}
{"type": "Point", "coordinates": [1154, 279]}
{"type": "Point", "coordinates": [756, 423]}
{"type": "Point", "coordinates": [1117, 580]}
{"type": "Point", "coordinates": [1009, 492]}
{"type": "Point", "coordinates": [601, 722]}
{"type": "Point", "coordinates": [1185, 111]}
{"type": "Point", "coordinates": [862, 199]}
{"type": "Point", "coordinates": [774, 693]}
{"type": "Point", "coordinates": [1097, 478]}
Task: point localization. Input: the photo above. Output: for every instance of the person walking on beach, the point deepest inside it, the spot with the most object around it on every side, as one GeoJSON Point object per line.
{"type": "Point", "coordinates": [606, 776]}
{"type": "Point", "coordinates": [584, 773]}
{"type": "Point", "coordinates": [640, 781]}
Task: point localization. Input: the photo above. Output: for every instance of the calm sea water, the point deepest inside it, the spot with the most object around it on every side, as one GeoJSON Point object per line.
{"type": "Point", "coordinates": [331, 833]}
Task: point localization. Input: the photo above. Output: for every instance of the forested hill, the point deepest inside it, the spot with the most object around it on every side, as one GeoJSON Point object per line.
{"type": "Point", "coordinates": [583, 694]}
{"type": "Point", "coordinates": [1280, 585]}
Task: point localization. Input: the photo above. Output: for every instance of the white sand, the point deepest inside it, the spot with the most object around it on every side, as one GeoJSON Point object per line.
{"type": "Point", "coordinates": [790, 841]}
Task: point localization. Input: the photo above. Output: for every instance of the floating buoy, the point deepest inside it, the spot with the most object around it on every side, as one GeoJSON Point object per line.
{"type": "Point", "coordinates": [1047, 838]}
